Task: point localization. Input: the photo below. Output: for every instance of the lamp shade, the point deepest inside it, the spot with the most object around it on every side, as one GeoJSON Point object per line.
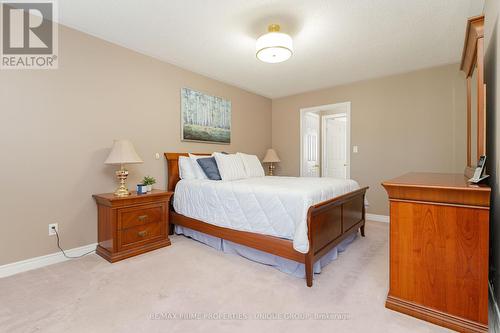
{"type": "Point", "coordinates": [274, 46]}
{"type": "Point", "coordinates": [123, 152]}
{"type": "Point", "coordinates": [271, 156]}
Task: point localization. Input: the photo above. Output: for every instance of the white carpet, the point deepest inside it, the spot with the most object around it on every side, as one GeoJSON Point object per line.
{"type": "Point", "coordinates": [91, 295]}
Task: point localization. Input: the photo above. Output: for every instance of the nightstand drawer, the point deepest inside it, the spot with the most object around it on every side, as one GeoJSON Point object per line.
{"type": "Point", "coordinates": [130, 236]}
{"type": "Point", "coordinates": [141, 215]}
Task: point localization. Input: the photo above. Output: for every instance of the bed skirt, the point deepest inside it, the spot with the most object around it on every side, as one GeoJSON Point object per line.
{"type": "Point", "coordinates": [285, 265]}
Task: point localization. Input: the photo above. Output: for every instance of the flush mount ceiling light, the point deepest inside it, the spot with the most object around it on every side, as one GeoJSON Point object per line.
{"type": "Point", "coordinates": [274, 46]}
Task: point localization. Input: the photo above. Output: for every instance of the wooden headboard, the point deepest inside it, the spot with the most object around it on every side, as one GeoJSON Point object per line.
{"type": "Point", "coordinates": [173, 168]}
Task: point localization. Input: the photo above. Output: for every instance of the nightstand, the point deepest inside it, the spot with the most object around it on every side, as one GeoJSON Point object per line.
{"type": "Point", "coordinates": [128, 226]}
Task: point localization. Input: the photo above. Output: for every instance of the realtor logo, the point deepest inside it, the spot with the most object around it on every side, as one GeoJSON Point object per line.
{"type": "Point", "coordinates": [29, 35]}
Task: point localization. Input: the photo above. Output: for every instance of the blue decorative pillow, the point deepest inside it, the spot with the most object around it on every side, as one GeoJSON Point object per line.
{"type": "Point", "coordinates": [209, 167]}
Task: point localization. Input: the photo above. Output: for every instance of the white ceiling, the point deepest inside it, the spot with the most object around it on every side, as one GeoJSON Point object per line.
{"type": "Point", "coordinates": [335, 41]}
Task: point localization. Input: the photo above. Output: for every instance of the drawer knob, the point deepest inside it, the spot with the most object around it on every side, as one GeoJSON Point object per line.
{"type": "Point", "coordinates": [142, 233]}
{"type": "Point", "coordinates": [142, 218]}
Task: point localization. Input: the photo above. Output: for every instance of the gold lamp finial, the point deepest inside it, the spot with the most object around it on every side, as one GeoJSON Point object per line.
{"type": "Point", "coordinates": [273, 28]}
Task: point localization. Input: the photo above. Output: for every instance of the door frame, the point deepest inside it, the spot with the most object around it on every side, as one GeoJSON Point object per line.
{"type": "Point", "coordinates": [327, 107]}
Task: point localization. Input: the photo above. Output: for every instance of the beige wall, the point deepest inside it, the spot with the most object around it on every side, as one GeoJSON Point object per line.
{"type": "Point", "coordinates": [402, 123]}
{"type": "Point", "coordinates": [58, 125]}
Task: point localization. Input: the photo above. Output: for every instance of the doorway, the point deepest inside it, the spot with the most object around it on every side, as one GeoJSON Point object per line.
{"type": "Point", "coordinates": [325, 133]}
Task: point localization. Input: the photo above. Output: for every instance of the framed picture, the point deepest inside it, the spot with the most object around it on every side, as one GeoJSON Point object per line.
{"type": "Point", "coordinates": [205, 118]}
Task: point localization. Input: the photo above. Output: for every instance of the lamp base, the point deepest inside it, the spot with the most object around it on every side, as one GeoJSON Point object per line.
{"type": "Point", "coordinates": [271, 169]}
{"type": "Point", "coordinates": [122, 190]}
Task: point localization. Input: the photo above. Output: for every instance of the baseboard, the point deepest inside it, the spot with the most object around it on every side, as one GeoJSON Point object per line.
{"type": "Point", "coordinates": [494, 312]}
{"type": "Point", "coordinates": [37, 262]}
{"type": "Point", "coordinates": [54, 258]}
{"type": "Point", "coordinates": [377, 218]}
{"type": "Point", "coordinates": [434, 316]}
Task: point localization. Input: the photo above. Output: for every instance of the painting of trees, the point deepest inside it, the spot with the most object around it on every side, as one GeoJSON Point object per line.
{"type": "Point", "coordinates": [204, 117]}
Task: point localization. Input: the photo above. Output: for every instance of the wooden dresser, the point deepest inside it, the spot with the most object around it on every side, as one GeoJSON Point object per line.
{"type": "Point", "coordinates": [439, 234]}
{"type": "Point", "coordinates": [128, 226]}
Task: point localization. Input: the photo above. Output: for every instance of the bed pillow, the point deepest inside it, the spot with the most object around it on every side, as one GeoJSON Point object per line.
{"type": "Point", "coordinates": [198, 171]}
{"type": "Point", "coordinates": [186, 168]}
{"type": "Point", "coordinates": [253, 167]}
{"type": "Point", "coordinates": [209, 166]}
{"type": "Point", "coordinates": [231, 166]}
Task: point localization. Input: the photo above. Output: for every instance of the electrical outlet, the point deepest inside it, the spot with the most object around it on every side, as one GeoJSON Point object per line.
{"type": "Point", "coordinates": [53, 226]}
{"type": "Point", "coordinates": [157, 156]}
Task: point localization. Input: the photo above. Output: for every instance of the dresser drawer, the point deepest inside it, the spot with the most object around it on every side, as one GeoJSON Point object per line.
{"type": "Point", "coordinates": [135, 235]}
{"type": "Point", "coordinates": [140, 215]}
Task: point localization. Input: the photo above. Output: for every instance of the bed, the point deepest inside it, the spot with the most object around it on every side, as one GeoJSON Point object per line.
{"type": "Point", "coordinates": [294, 218]}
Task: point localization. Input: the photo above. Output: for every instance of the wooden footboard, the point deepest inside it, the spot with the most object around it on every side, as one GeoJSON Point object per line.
{"type": "Point", "coordinates": [328, 222]}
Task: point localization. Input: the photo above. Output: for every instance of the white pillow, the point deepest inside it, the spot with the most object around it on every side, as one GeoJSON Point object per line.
{"type": "Point", "coordinates": [198, 171]}
{"type": "Point", "coordinates": [186, 169]}
{"type": "Point", "coordinates": [253, 167]}
{"type": "Point", "coordinates": [230, 166]}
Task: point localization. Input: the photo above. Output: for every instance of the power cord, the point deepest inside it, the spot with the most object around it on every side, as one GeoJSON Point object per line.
{"type": "Point", "coordinates": [64, 253]}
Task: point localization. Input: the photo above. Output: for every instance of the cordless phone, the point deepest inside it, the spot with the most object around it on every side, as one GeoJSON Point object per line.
{"type": "Point", "coordinates": [478, 173]}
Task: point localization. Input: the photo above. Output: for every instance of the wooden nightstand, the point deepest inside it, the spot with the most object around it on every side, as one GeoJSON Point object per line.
{"type": "Point", "coordinates": [131, 225]}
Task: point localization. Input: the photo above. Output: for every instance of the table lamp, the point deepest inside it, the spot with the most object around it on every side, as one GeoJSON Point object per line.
{"type": "Point", "coordinates": [271, 157]}
{"type": "Point", "coordinates": [123, 152]}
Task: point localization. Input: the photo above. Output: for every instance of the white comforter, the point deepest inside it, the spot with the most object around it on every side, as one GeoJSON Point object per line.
{"type": "Point", "coordinates": [275, 206]}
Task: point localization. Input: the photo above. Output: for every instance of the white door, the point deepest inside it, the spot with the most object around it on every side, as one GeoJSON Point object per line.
{"type": "Point", "coordinates": [310, 145]}
{"type": "Point", "coordinates": [335, 146]}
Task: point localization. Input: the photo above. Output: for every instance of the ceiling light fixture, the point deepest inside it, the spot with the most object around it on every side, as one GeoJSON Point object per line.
{"type": "Point", "coordinates": [274, 46]}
